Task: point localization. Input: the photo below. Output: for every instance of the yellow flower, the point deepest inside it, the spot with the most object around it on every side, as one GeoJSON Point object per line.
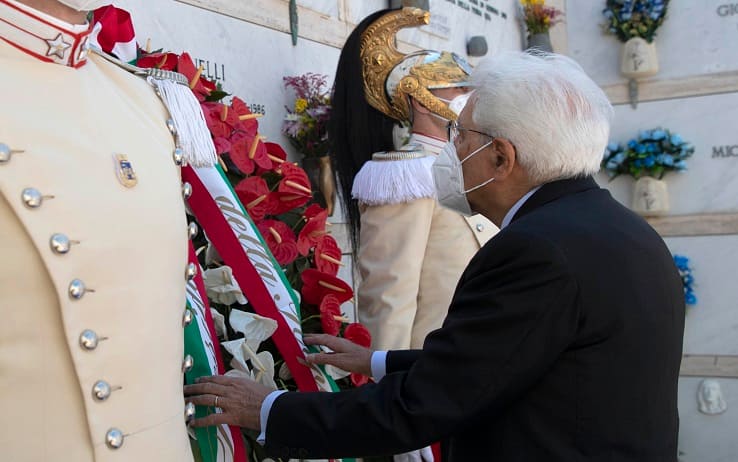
{"type": "Point", "coordinates": [546, 20]}
{"type": "Point", "coordinates": [300, 105]}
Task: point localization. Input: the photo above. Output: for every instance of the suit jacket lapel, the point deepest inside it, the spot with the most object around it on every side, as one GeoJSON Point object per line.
{"type": "Point", "coordinates": [556, 189]}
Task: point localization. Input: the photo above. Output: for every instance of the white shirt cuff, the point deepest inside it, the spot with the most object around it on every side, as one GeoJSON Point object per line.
{"type": "Point", "coordinates": [379, 365]}
{"type": "Point", "coordinates": [266, 407]}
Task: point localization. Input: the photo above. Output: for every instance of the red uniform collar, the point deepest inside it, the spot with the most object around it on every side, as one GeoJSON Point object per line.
{"type": "Point", "coordinates": [42, 36]}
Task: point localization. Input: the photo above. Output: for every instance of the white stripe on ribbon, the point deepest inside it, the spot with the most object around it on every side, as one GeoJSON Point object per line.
{"type": "Point", "coordinates": [271, 274]}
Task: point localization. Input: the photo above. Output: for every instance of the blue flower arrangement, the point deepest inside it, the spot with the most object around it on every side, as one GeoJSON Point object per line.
{"type": "Point", "coordinates": [653, 153]}
{"type": "Point", "coordinates": [634, 18]}
{"type": "Point", "coordinates": [682, 264]}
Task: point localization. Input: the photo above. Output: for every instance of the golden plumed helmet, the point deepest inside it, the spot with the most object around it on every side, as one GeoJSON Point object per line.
{"type": "Point", "coordinates": [390, 76]}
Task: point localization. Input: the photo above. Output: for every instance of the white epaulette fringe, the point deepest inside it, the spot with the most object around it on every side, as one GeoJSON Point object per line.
{"type": "Point", "coordinates": [191, 130]}
{"type": "Point", "coordinates": [394, 178]}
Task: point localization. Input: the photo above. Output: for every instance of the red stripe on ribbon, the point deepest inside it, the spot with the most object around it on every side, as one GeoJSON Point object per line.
{"type": "Point", "coordinates": [229, 247]}
{"type": "Point", "coordinates": [239, 453]}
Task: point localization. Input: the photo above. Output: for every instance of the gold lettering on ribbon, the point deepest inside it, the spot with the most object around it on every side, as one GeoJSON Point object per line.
{"type": "Point", "coordinates": [265, 268]}
{"type": "Point", "coordinates": [253, 247]}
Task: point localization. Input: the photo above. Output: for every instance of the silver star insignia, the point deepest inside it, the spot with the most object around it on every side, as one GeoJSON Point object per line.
{"type": "Point", "coordinates": [57, 46]}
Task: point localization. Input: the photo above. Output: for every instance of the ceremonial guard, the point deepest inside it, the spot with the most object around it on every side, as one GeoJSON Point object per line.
{"type": "Point", "coordinates": [94, 245]}
{"type": "Point", "coordinates": [411, 250]}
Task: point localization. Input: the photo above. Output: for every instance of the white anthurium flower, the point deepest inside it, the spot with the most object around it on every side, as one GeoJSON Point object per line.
{"type": "Point", "coordinates": [239, 374]}
{"type": "Point", "coordinates": [219, 322]}
{"type": "Point", "coordinates": [239, 360]}
{"type": "Point", "coordinates": [284, 372]}
{"type": "Point", "coordinates": [263, 368]}
{"type": "Point", "coordinates": [212, 256]}
{"type": "Point", "coordinates": [254, 328]}
{"type": "Point", "coordinates": [222, 288]}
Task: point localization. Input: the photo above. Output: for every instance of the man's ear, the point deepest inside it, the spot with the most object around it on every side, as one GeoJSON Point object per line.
{"type": "Point", "coordinates": [506, 158]}
{"type": "Point", "coordinates": [417, 107]}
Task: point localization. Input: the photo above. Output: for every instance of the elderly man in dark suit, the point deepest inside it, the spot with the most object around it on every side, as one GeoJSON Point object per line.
{"type": "Point", "coordinates": [564, 337]}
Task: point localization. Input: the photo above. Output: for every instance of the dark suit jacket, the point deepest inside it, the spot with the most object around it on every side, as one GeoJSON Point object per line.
{"type": "Point", "coordinates": [562, 344]}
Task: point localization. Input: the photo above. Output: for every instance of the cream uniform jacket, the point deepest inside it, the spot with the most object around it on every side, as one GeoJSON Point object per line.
{"type": "Point", "coordinates": [411, 256]}
{"type": "Point", "coordinates": [91, 340]}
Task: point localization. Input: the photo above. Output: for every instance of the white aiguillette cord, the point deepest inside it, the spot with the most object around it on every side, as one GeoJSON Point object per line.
{"type": "Point", "coordinates": [192, 134]}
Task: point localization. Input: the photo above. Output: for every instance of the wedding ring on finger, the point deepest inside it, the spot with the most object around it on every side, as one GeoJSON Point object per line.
{"type": "Point", "coordinates": [216, 401]}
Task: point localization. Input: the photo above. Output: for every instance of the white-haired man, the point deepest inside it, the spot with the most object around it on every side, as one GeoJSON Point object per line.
{"type": "Point", "coordinates": [563, 339]}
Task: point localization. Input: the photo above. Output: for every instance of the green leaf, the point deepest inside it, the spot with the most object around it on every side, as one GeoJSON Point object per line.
{"type": "Point", "coordinates": [215, 96]}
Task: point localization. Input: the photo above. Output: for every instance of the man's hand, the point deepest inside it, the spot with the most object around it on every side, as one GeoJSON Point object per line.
{"type": "Point", "coordinates": [239, 398]}
{"type": "Point", "coordinates": [346, 355]}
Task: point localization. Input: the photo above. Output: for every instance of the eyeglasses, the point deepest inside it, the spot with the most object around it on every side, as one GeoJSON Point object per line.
{"type": "Point", "coordinates": [454, 129]}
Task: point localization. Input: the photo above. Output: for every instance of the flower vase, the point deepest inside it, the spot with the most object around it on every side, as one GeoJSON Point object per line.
{"type": "Point", "coordinates": [650, 197]}
{"type": "Point", "coordinates": [320, 173]}
{"type": "Point", "coordinates": [540, 41]}
{"type": "Point", "coordinates": [638, 59]}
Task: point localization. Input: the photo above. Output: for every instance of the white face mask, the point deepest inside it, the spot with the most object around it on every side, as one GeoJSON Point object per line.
{"type": "Point", "coordinates": [85, 5]}
{"type": "Point", "coordinates": [458, 103]}
{"type": "Point", "coordinates": [449, 179]}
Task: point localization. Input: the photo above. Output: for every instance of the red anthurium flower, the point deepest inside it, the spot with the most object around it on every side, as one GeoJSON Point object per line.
{"type": "Point", "coordinates": [312, 211]}
{"type": "Point", "coordinates": [248, 152]}
{"type": "Point", "coordinates": [358, 379]}
{"type": "Point", "coordinates": [165, 61]}
{"type": "Point", "coordinates": [312, 232]}
{"type": "Point", "coordinates": [212, 113]}
{"type": "Point", "coordinates": [316, 285]}
{"type": "Point", "coordinates": [357, 333]}
{"type": "Point", "coordinates": [330, 315]}
{"type": "Point", "coordinates": [294, 188]}
{"type": "Point", "coordinates": [327, 255]}
{"type": "Point", "coordinates": [276, 154]}
{"type": "Point", "coordinates": [254, 194]}
{"type": "Point", "coordinates": [222, 145]}
{"type": "Point", "coordinates": [247, 121]}
{"type": "Point", "coordinates": [280, 239]}
{"type": "Point", "coordinates": [200, 86]}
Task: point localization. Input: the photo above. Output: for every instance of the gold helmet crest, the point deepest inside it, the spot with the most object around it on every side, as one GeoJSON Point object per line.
{"type": "Point", "coordinates": [391, 76]}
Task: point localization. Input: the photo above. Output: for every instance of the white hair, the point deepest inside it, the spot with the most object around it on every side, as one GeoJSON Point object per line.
{"type": "Point", "coordinates": [557, 118]}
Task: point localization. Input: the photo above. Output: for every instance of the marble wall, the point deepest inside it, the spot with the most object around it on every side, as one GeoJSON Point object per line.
{"type": "Point", "coordinates": [697, 40]}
